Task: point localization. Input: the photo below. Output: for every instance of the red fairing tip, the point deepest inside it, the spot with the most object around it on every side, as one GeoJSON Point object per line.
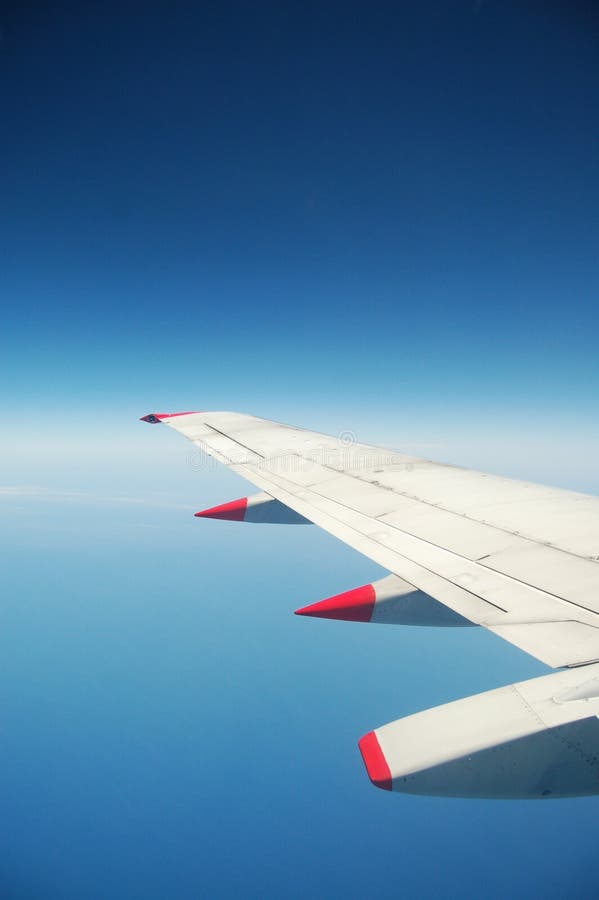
{"type": "Point", "coordinates": [152, 418]}
{"type": "Point", "coordinates": [352, 606]}
{"type": "Point", "coordinates": [232, 512]}
{"type": "Point", "coordinates": [375, 762]}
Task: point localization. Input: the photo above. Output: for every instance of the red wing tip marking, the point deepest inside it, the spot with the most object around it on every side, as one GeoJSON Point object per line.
{"type": "Point", "coordinates": [153, 418]}
{"type": "Point", "coordinates": [352, 606]}
{"type": "Point", "coordinates": [232, 512]}
{"type": "Point", "coordinates": [375, 762]}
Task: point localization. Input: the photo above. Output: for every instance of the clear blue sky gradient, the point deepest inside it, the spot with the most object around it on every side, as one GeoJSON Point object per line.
{"type": "Point", "coordinates": [380, 219]}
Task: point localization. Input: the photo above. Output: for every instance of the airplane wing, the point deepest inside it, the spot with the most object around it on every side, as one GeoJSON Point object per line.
{"type": "Point", "coordinates": [462, 548]}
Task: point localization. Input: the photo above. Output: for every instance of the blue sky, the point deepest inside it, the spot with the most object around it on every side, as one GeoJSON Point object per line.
{"type": "Point", "coordinates": [377, 219]}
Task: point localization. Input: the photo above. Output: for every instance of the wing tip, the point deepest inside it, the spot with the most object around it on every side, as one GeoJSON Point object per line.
{"type": "Point", "coordinates": [154, 418]}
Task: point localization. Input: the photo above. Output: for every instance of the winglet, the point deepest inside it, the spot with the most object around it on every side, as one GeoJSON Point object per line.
{"type": "Point", "coordinates": [351, 606]}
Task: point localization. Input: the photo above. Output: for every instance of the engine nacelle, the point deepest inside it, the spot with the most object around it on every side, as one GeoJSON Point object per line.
{"type": "Point", "coordinates": [534, 739]}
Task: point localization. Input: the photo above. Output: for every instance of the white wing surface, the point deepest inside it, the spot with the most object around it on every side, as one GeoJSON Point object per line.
{"type": "Point", "coordinates": [461, 547]}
